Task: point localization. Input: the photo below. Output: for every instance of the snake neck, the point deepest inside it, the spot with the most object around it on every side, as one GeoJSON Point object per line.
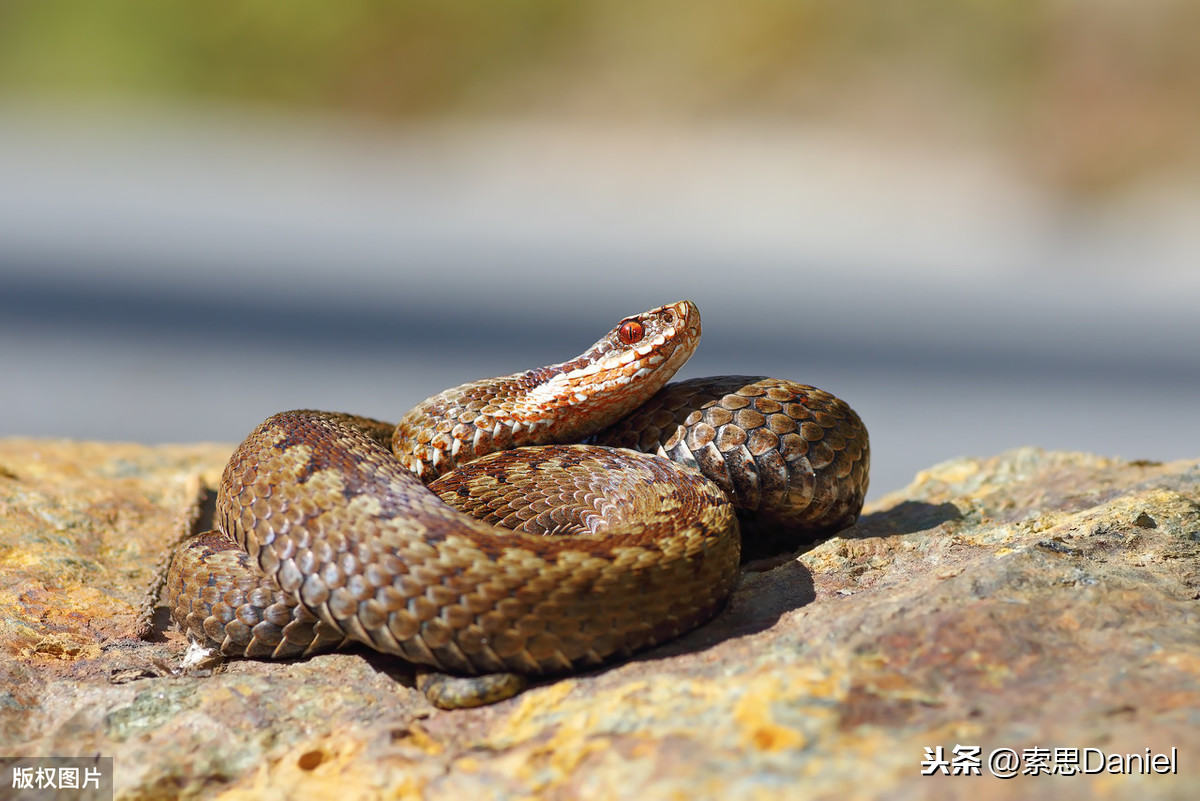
{"type": "Point", "coordinates": [558, 403]}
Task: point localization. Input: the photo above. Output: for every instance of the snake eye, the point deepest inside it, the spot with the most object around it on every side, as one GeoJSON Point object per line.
{"type": "Point", "coordinates": [631, 332]}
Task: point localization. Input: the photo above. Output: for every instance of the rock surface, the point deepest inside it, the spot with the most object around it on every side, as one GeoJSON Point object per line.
{"type": "Point", "coordinates": [1031, 600]}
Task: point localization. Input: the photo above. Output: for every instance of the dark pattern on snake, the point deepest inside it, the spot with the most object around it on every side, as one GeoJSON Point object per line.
{"type": "Point", "coordinates": [327, 533]}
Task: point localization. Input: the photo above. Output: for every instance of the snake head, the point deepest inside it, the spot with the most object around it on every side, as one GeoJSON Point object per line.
{"type": "Point", "coordinates": [621, 371]}
{"type": "Point", "coordinates": [557, 403]}
{"type": "Point", "coordinates": [643, 346]}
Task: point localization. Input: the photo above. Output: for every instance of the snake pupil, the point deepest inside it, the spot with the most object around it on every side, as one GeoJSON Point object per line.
{"type": "Point", "coordinates": [631, 332]}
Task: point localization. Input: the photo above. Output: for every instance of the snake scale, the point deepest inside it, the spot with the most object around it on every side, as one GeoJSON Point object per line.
{"type": "Point", "coordinates": [478, 536]}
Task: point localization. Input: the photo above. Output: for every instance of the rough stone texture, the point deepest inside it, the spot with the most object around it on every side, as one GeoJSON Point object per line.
{"type": "Point", "coordinates": [1029, 600]}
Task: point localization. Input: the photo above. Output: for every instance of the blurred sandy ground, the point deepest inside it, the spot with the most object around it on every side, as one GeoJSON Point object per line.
{"type": "Point", "coordinates": [178, 271]}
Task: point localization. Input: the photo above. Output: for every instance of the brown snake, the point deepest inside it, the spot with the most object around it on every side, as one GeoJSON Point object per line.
{"type": "Point", "coordinates": [327, 532]}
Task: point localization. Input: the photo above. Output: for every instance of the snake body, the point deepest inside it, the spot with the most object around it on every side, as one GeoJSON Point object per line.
{"type": "Point", "coordinates": [463, 540]}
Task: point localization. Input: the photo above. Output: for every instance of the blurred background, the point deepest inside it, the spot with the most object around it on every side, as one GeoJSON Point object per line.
{"type": "Point", "coordinates": [978, 222]}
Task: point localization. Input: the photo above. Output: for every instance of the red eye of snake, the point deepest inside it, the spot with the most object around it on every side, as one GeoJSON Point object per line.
{"type": "Point", "coordinates": [631, 332]}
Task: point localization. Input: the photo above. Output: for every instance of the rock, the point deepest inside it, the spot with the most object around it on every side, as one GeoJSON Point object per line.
{"type": "Point", "coordinates": [1032, 600]}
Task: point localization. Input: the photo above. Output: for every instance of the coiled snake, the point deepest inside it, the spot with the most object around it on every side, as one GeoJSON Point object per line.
{"type": "Point", "coordinates": [333, 528]}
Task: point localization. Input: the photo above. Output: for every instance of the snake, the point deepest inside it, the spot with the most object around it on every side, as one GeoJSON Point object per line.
{"type": "Point", "coordinates": [525, 526]}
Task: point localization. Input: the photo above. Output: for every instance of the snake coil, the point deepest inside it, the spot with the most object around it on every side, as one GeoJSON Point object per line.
{"type": "Point", "coordinates": [478, 536]}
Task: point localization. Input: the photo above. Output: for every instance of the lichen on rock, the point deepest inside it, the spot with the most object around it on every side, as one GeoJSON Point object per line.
{"type": "Point", "coordinates": [1031, 600]}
